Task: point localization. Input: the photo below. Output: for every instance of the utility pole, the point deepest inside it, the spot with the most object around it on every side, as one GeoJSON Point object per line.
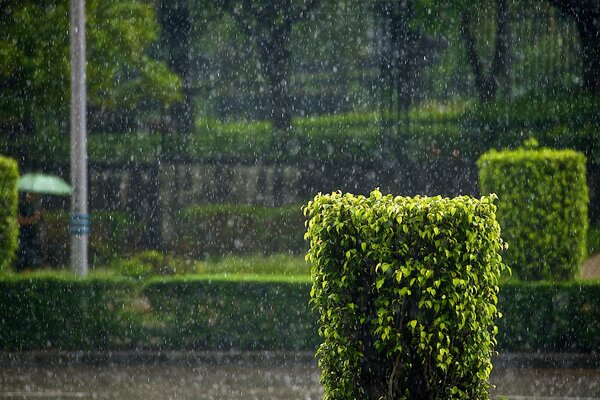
{"type": "Point", "coordinates": [79, 225]}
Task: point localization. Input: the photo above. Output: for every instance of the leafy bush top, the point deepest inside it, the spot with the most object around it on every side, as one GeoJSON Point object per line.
{"type": "Point", "coordinates": [406, 289]}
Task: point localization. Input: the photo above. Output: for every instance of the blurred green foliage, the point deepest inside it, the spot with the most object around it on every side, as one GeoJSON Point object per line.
{"type": "Point", "coordinates": [405, 284]}
{"type": "Point", "coordinates": [222, 229]}
{"type": "Point", "coordinates": [270, 265]}
{"type": "Point", "coordinates": [233, 312]}
{"type": "Point", "coordinates": [55, 310]}
{"type": "Point", "coordinates": [150, 263]}
{"type": "Point", "coordinates": [549, 317]}
{"type": "Point", "coordinates": [542, 208]}
{"type": "Point", "coordinates": [9, 229]}
{"type": "Point", "coordinates": [567, 120]}
{"type": "Point", "coordinates": [112, 237]}
{"type": "Point", "coordinates": [121, 76]}
{"type": "Point", "coordinates": [593, 240]}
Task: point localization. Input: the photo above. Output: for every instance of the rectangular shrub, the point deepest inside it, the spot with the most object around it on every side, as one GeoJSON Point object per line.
{"type": "Point", "coordinates": [63, 313]}
{"type": "Point", "coordinates": [224, 229]}
{"type": "Point", "coordinates": [9, 229]}
{"type": "Point", "coordinates": [542, 209]}
{"type": "Point", "coordinates": [406, 291]}
{"type": "Point", "coordinates": [232, 312]}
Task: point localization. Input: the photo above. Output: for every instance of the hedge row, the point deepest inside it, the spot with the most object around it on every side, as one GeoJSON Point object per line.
{"type": "Point", "coordinates": [9, 230]}
{"type": "Point", "coordinates": [201, 230]}
{"type": "Point", "coordinates": [222, 313]}
{"type": "Point", "coordinates": [550, 317]}
{"type": "Point", "coordinates": [542, 209]}
{"type": "Point", "coordinates": [60, 312]}
{"type": "Point", "coordinates": [250, 142]}
{"type": "Point", "coordinates": [224, 229]}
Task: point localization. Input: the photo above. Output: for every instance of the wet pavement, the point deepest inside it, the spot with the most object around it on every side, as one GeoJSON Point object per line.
{"type": "Point", "coordinates": [228, 377]}
{"type": "Point", "coordinates": [161, 382]}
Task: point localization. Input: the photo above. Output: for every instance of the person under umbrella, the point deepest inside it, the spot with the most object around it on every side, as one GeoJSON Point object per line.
{"type": "Point", "coordinates": [30, 215]}
{"type": "Point", "coordinates": [28, 256]}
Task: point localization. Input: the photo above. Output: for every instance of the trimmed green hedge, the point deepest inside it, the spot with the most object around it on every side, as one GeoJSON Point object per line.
{"type": "Point", "coordinates": [560, 119]}
{"type": "Point", "coordinates": [282, 264]}
{"type": "Point", "coordinates": [50, 311]}
{"type": "Point", "coordinates": [9, 229]}
{"type": "Point", "coordinates": [406, 291]}
{"type": "Point", "coordinates": [223, 312]}
{"type": "Point", "coordinates": [549, 317]}
{"type": "Point", "coordinates": [223, 229]}
{"type": "Point", "coordinates": [61, 312]}
{"type": "Point", "coordinates": [542, 208]}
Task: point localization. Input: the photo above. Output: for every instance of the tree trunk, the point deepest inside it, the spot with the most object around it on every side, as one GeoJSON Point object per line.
{"type": "Point", "coordinates": [176, 27]}
{"type": "Point", "coordinates": [487, 84]}
{"type": "Point", "coordinates": [275, 56]}
{"type": "Point", "coordinates": [586, 15]}
{"type": "Point", "coordinates": [486, 88]}
{"type": "Point", "coordinates": [500, 62]}
{"type": "Point", "coordinates": [589, 34]}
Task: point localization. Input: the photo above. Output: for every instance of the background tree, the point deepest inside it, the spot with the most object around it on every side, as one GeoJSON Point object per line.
{"type": "Point", "coordinates": [34, 65]}
{"type": "Point", "coordinates": [124, 77]}
{"type": "Point", "coordinates": [332, 53]}
{"type": "Point", "coordinates": [181, 24]}
{"type": "Point", "coordinates": [586, 16]}
{"type": "Point", "coordinates": [269, 25]}
{"type": "Point", "coordinates": [487, 84]}
{"type": "Point", "coordinates": [176, 35]}
{"type": "Point", "coordinates": [462, 16]}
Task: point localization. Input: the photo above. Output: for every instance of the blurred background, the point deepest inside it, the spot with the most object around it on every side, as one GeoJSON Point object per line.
{"type": "Point", "coordinates": [212, 122]}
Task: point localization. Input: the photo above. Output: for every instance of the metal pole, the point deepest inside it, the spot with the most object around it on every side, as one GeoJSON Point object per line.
{"type": "Point", "coordinates": [79, 226]}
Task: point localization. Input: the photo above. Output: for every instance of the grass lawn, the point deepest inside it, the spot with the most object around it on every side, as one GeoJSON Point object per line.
{"type": "Point", "coordinates": [278, 264]}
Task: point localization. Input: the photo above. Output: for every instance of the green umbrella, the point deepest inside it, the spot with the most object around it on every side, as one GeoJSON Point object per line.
{"type": "Point", "coordinates": [43, 183]}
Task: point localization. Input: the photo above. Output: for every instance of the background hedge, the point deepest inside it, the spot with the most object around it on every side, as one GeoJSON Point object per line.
{"type": "Point", "coordinates": [550, 317]}
{"type": "Point", "coordinates": [45, 311]}
{"type": "Point", "coordinates": [61, 312]}
{"type": "Point", "coordinates": [233, 312]}
{"type": "Point", "coordinates": [542, 208]}
{"type": "Point", "coordinates": [406, 291]}
{"type": "Point", "coordinates": [9, 198]}
{"type": "Point", "coordinates": [223, 229]}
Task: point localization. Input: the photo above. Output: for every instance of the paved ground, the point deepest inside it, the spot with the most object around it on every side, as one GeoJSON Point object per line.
{"type": "Point", "coordinates": [591, 268]}
{"type": "Point", "coordinates": [253, 375]}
